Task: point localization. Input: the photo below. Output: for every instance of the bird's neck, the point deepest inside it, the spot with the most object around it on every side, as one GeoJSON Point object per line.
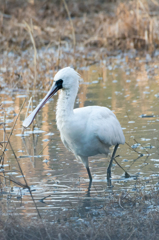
{"type": "Point", "coordinates": [65, 105]}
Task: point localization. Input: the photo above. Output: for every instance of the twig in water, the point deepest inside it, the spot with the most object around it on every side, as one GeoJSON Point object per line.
{"type": "Point", "coordinates": [141, 146]}
{"type": "Point", "coordinates": [128, 115]}
{"type": "Point", "coordinates": [135, 160]}
{"type": "Point", "coordinates": [3, 146]}
{"type": "Point", "coordinates": [120, 201]}
{"type": "Point", "coordinates": [44, 147]}
{"type": "Point", "coordinates": [13, 179]}
{"type": "Point", "coordinates": [133, 149]}
{"type": "Point", "coordinates": [4, 132]}
{"type": "Point", "coordinates": [127, 175]}
{"type": "Point", "coordinates": [12, 129]}
{"type": "Point", "coordinates": [30, 100]}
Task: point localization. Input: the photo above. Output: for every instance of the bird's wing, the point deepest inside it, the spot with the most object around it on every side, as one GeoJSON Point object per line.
{"type": "Point", "coordinates": [107, 126]}
{"type": "Point", "coordinates": [99, 122]}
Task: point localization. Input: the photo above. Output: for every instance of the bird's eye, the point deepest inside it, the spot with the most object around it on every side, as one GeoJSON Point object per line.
{"type": "Point", "coordinates": [59, 83]}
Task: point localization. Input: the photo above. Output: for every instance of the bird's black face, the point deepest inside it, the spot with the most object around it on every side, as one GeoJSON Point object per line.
{"type": "Point", "coordinates": [59, 83]}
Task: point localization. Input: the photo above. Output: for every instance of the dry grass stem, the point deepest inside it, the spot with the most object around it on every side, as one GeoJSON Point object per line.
{"type": "Point", "coordinates": [30, 31]}
{"type": "Point", "coordinates": [30, 103]}
{"type": "Point", "coordinates": [133, 148]}
{"type": "Point", "coordinates": [26, 184]}
{"type": "Point", "coordinates": [73, 31]}
{"type": "Point", "coordinates": [94, 25]}
{"type": "Point", "coordinates": [12, 128]}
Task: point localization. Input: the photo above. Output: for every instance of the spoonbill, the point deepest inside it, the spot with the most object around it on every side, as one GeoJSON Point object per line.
{"type": "Point", "coordinates": [85, 131]}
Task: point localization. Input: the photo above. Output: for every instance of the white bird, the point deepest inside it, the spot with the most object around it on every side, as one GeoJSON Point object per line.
{"type": "Point", "coordinates": [86, 131]}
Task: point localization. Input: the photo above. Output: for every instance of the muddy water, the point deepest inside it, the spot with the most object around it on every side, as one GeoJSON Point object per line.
{"type": "Point", "coordinates": [57, 180]}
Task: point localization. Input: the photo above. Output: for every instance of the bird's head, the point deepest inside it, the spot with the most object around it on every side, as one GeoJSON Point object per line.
{"type": "Point", "coordinates": [65, 79]}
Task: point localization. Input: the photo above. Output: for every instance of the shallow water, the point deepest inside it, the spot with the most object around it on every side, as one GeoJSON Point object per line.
{"type": "Point", "coordinates": [57, 180]}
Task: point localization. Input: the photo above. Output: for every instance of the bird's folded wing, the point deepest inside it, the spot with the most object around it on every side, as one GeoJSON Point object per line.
{"type": "Point", "coordinates": [109, 131]}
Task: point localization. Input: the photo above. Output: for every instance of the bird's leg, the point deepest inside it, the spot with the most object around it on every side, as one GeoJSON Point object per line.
{"type": "Point", "coordinates": [90, 177]}
{"type": "Point", "coordinates": [111, 161]}
{"type": "Point", "coordinates": [85, 162]}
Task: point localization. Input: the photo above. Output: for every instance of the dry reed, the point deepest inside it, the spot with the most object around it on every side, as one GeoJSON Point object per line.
{"type": "Point", "coordinates": [121, 25]}
{"type": "Point", "coordinates": [11, 178]}
{"type": "Point", "coordinates": [30, 31]}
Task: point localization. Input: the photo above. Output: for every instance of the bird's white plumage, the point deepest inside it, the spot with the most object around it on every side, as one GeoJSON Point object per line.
{"type": "Point", "coordinates": [86, 131]}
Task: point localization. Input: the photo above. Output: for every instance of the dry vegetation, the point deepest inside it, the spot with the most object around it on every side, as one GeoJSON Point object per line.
{"type": "Point", "coordinates": [110, 24]}
{"type": "Point", "coordinates": [131, 227]}
{"type": "Point", "coordinates": [115, 220]}
{"type": "Point", "coordinates": [39, 37]}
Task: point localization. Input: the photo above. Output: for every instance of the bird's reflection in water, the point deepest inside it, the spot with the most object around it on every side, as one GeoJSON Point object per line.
{"type": "Point", "coordinates": [84, 208]}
